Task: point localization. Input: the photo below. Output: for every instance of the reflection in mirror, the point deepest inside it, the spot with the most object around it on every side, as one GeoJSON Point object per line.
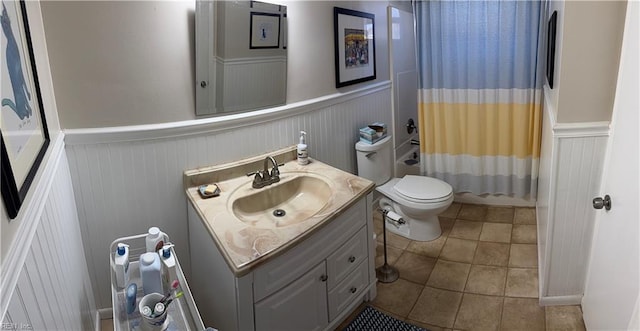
{"type": "Point", "coordinates": [241, 56]}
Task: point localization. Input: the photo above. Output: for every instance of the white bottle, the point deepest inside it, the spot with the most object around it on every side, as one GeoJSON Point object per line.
{"type": "Point", "coordinates": [169, 265]}
{"type": "Point", "coordinates": [303, 154]}
{"type": "Point", "coordinates": [154, 240]}
{"type": "Point", "coordinates": [122, 265]}
{"type": "Point", "coordinates": [151, 273]}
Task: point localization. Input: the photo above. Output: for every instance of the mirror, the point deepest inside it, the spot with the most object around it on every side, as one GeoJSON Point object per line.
{"type": "Point", "coordinates": [241, 56]}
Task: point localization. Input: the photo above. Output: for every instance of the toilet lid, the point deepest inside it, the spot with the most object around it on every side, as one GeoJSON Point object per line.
{"type": "Point", "coordinates": [422, 188]}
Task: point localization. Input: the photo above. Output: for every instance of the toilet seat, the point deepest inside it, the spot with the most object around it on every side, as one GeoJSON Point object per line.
{"type": "Point", "coordinates": [421, 189]}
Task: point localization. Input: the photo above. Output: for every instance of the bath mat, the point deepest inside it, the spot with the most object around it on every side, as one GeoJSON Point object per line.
{"type": "Point", "coordinates": [371, 319]}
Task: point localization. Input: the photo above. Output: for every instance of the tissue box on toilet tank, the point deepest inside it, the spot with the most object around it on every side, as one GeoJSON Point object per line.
{"type": "Point", "coordinates": [373, 132]}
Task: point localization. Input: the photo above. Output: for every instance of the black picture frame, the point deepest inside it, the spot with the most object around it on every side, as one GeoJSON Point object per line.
{"type": "Point", "coordinates": [551, 47]}
{"type": "Point", "coordinates": [264, 30]}
{"type": "Point", "coordinates": [28, 109]}
{"type": "Point", "coordinates": [355, 49]}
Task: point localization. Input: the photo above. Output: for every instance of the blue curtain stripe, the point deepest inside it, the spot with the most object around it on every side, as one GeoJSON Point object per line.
{"type": "Point", "coordinates": [478, 44]}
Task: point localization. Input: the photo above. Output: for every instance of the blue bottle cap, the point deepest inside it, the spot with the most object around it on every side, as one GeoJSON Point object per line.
{"type": "Point", "coordinates": [121, 249]}
{"type": "Point", "coordinates": [166, 252]}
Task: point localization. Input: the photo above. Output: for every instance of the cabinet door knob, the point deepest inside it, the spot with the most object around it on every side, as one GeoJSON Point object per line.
{"type": "Point", "coordinates": [353, 290]}
{"type": "Point", "coordinates": [323, 278]}
{"type": "Point", "coordinates": [352, 258]}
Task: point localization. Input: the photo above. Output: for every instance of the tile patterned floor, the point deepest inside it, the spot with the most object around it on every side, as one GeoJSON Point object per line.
{"type": "Point", "coordinates": [481, 274]}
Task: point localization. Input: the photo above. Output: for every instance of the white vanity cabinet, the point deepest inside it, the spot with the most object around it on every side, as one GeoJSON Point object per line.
{"type": "Point", "coordinates": [312, 285]}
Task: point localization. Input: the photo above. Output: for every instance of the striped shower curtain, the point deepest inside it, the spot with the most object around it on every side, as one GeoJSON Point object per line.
{"type": "Point", "coordinates": [480, 94]}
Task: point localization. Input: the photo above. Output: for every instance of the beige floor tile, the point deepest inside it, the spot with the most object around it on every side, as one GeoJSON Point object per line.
{"type": "Point", "coordinates": [466, 230]}
{"type": "Point", "coordinates": [392, 254]}
{"type": "Point", "coordinates": [523, 256]}
{"type": "Point", "coordinates": [486, 280]}
{"type": "Point", "coordinates": [106, 324]}
{"type": "Point", "coordinates": [415, 267]}
{"type": "Point", "coordinates": [452, 211]}
{"type": "Point", "coordinates": [397, 297]}
{"type": "Point", "coordinates": [493, 254]}
{"type": "Point", "coordinates": [564, 318]}
{"type": "Point", "coordinates": [473, 212]}
{"type": "Point", "coordinates": [394, 240]}
{"type": "Point", "coordinates": [479, 312]}
{"type": "Point", "coordinates": [521, 314]}
{"type": "Point", "coordinates": [428, 248]}
{"type": "Point", "coordinates": [449, 275]}
{"type": "Point", "coordinates": [496, 232]}
{"type": "Point", "coordinates": [524, 216]}
{"type": "Point", "coordinates": [446, 224]}
{"type": "Point", "coordinates": [522, 283]}
{"type": "Point", "coordinates": [524, 234]}
{"type": "Point", "coordinates": [459, 250]}
{"type": "Point", "coordinates": [500, 214]}
{"type": "Point", "coordinates": [436, 307]}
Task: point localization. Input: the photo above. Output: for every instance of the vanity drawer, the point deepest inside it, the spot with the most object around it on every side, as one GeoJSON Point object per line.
{"type": "Point", "coordinates": [343, 294]}
{"type": "Point", "coordinates": [292, 264]}
{"type": "Point", "coordinates": [346, 258]}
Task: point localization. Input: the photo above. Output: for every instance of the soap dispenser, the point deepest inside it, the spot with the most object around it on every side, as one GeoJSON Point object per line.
{"type": "Point", "coordinates": [303, 154]}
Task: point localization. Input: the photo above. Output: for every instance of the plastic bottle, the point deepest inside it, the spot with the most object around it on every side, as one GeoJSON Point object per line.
{"type": "Point", "coordinates": [303, 154]}
{"type": "Point", "coordinates": [154, 240]}
{"type": "Point", "coordinates": [151, 273]}
{"type": "Point", "coordinates": [122, 265]}
{"type": "Point", "coordinates": [169, 264]}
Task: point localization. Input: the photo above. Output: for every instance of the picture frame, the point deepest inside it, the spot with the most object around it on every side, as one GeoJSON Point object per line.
{"type": "Point", "coordinates": [24, 136]}
{"type": "Point", "coordinates": [355, 58]}
{"type": "Point", "coordinates": [264, 30]}
{"type": "Point", "coordinates": [551, 47]}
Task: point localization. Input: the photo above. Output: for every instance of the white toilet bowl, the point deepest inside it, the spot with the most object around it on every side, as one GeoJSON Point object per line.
{"type": "Point", "coordinates": [417, 199]}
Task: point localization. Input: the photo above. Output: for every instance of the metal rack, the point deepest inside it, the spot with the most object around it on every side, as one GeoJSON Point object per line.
{"type": "Point", "coordinates": [182, 313]}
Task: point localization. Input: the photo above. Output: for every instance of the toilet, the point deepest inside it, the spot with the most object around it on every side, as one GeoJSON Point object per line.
{"type": "Point", "coordinates": [417, 199]}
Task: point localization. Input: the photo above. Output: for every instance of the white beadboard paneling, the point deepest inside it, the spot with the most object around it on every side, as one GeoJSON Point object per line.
{"type": "Point", "coordinates": [252, 83]}
{"type": "Point", "coordinates": [52, 287]}
{"type": "Point", "coordinates": [126, 180]}
{"type": "Point", "coordinates": [570, 173]}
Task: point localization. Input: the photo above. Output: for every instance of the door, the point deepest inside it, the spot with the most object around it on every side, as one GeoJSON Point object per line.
{"type": "Point", "coordinates": [611, 294]}
{"type": "Point", "coordinates": [301, 305]}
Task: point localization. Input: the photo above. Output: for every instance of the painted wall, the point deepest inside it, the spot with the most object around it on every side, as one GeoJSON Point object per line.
{"type": "Point", "coordinates": [120, 63]}
{"type": "Point", "coordinates": [587, 56]}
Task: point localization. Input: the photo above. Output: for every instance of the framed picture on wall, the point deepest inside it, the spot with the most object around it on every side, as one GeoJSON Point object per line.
{"type": "Point", "coordinates": [23, 128]}
{"type": "Point", "coordinates": [355, 51]}
{"type": "Point", "coordinates": [265, 30]}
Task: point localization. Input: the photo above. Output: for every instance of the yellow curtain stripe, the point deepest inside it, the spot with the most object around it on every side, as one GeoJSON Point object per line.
{"type": "Point", "coordinates": [504, 129]}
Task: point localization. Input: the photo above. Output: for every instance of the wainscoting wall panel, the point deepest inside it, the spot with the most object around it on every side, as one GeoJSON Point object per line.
{"type": "Point", "coordinates": [128, 180]}
{"type": "Point", "coordinates": [53, 290]}
{"type": "Point", "coordinates": [570, 175]}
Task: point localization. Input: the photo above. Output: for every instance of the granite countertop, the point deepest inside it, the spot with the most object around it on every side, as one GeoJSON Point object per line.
{"type": "Point", "coordinates": [244, 246]}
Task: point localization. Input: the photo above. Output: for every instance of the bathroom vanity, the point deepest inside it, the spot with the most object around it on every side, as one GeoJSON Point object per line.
{"type": "Point", "coordinates": [254, 269]}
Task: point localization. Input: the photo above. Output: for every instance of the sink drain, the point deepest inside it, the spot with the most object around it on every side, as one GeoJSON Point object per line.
{"type": "Point", "coordinates": [279, 213]}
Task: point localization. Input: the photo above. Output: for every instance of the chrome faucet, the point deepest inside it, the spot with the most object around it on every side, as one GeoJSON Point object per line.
{"type": "Point", "coordinates": [264, 177]}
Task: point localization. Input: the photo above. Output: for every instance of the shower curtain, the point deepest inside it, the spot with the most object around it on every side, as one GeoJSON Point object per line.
{"type": "Point", "coordinates": [480, 94]}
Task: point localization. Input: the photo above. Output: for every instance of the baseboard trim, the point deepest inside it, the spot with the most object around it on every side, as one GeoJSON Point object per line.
{"type": "Point", "coordinates": [213, 124]}
{"type": "Point", "coordinates": [567, 300]}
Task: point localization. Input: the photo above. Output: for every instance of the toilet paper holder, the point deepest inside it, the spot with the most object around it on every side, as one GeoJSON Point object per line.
{"type": "Point", "coordinates": [387, 273]}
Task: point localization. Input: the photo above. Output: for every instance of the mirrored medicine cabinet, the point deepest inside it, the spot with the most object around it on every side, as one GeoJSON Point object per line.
{"type": "Point", "coordinates": [241, 56]}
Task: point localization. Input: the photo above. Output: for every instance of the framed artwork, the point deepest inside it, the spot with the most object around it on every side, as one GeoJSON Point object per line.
{"type": "Point", "coordinates": [23, 128]}
{"type": "Point", "coordinates": [355, 50]}
{"type": "Point", "coordinates": [265, 30]}
{"type": "Point", "coordinates": [551, 47]}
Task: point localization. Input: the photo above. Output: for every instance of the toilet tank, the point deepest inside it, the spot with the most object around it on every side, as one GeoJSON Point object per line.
{"type": "Point", "coordinates": [375, 160]}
